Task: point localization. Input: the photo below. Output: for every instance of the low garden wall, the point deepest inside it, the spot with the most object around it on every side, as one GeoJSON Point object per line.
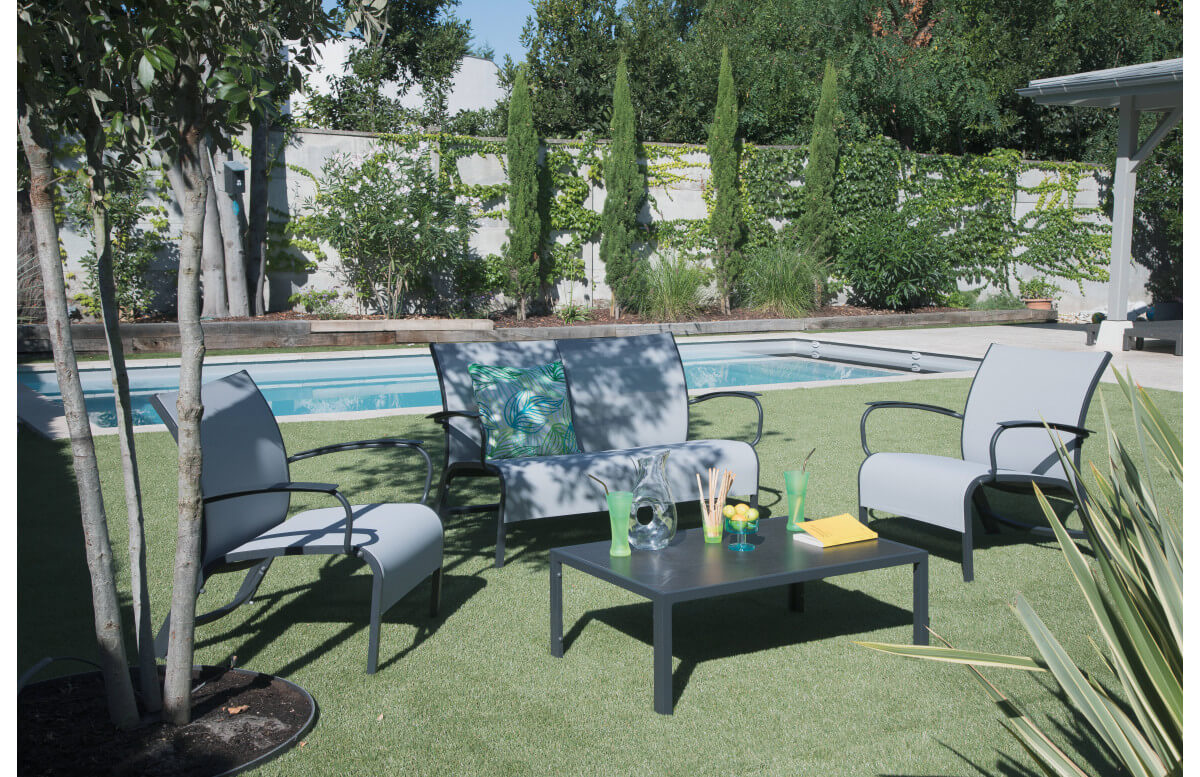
{"type": "Point", "coordinates": [236, 335]}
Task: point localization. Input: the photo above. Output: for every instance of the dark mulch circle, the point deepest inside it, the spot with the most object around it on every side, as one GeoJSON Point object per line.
{"type": "Point", "coordinates": [237, 718]}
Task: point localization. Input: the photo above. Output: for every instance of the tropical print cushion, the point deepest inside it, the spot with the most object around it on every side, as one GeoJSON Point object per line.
{"type": "Point", "coordinates": [524, 410]}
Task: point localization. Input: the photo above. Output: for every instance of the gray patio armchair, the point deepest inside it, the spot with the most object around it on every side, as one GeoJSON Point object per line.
{"type": "Point", "coordinates": [628, 398]}
{"type": "Point", "coordinates": [1003, 442]}
{"type": "Point", "coordinates": [246, 488]}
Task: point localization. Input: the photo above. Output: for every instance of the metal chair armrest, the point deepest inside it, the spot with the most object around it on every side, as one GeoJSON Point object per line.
{"type": "Point", "coordinates": [873, 406]}
{"type": "Point", "coordinates": [383, 442]}
{"type": "Point", "coordinates": [1004, 426]}
{"type": "Point", "coordinates": [444, 417]}
{"type": "Point", "coordinates": [751, 395]}
{"type": "Point", "coordinates": [315, 488]}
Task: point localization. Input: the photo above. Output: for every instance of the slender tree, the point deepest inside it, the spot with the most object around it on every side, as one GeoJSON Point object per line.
{"type": "Point", "coordinates": [79, 66]}
{"type": "Point", "coordinates": [624, 193]}
{"type": "Point", "coordinates": [816, 228]}
{"type": "Point", "coordinates": [521, 254]}
{"type": "Point", "coordinates": [725, 222]}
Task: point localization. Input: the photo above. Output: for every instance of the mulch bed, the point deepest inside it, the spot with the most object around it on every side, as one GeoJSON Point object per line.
{"type": "Point", "coordinates": [63, 728]}
{"type": "Point", "coordinates": [602, 316]}
{"type": "Point", "coordinates": [597, 316]}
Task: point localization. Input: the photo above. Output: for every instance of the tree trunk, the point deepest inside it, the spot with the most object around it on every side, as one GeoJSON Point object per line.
{"type": "Point", "coordinates": [212, 258]}
{"type": "Point", "coordinates": [178, 685]}
{"type": "Point", "coordinates": [231, 233]}
{"type": "Point", "coordinates": [212, 262]}
{"type": "Point", "coordinates": [140, 594]}
{"type": "Point", "coordinates": [114, 666]}
{"type": "Point", "coordinates": [256, 232]}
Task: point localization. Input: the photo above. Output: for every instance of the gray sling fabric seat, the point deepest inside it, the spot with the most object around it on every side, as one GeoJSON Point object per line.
{"type": "Point", "coordinates": [247, 486]}
{"type": "Point", "coordinates": [1003, 441]}
{"type": "Point", "coordinates": [628, 398]}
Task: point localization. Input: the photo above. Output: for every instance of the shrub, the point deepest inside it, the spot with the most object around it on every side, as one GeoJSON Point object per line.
{"type": "Point", "coordinates": [322, 304]}
{"type": "Point", "coordinates": [401, 234]}
{"type": "Point", "coordinates": [138, 234]}
{"type": "Point", "coordinates": [890, 263]}
{"type": "Point", "coordinates": [1038, 288]}
{"type": "Point", "coordinates": [674, 287]}
{"type": "Point", "coordinates": [960, 298]}
{"type": "Point", "coordinates": [783, 280]}
{"type": "Point", "coordinates": [1003, 300]}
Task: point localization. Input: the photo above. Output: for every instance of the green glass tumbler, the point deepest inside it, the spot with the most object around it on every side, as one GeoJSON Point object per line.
{"type": "Point", "coordinates": [795, 484]}
{"type": "Point", "coordinates": [619, 504]}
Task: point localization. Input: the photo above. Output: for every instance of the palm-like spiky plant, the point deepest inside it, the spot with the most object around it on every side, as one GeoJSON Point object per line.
{"type": "Point", "coordinates": [1135, 595]}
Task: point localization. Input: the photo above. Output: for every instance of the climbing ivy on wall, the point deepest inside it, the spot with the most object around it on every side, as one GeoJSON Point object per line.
{"type": "Point", "coordinates": [968, 199]}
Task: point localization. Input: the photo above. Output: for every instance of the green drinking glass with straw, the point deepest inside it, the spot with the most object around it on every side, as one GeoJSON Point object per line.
{"type": "Point", "coordinates": [795, 483]}
{"type": "Point", "coordinates": [619, 505]}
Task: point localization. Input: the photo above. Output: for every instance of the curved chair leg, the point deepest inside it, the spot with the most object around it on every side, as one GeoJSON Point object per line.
{"type": "Point", "coordinates": [864, 514]}
{"type": "Point", "coordinates": [968, 561]}
{"type": "Point", "coordinates": [500, 536]}
{"type": "Point", "coordinates": [435, 601]}
{"type": "Point", "coordinates": [249, 587]}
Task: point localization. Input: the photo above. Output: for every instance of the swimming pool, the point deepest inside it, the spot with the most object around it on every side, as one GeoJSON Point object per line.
{"type": "Point", "coordinates": [298, 386]}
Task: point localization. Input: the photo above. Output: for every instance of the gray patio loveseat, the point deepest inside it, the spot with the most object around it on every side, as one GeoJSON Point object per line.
{"type": "Point", "coordinates": [628, 397]}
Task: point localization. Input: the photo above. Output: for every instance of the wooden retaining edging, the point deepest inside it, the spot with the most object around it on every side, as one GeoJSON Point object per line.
{"type": "Point", "coordinates": [234, 335]}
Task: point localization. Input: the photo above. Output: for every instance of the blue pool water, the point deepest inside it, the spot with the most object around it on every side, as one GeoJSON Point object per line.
{"type": "Point", "coordinates": [340, 385]}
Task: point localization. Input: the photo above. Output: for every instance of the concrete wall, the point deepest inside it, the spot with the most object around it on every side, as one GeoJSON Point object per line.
{"type": "Point", "coordinates": [682, 200]}
{"type": "Point", "coordinates": [476, 85]}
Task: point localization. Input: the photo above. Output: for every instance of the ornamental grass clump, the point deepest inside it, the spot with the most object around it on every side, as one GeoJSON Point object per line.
{"type": "Point", "coordinates": [783, 280]}
{"type": "Point", "coordinates": [1134, 592]}
{"type": "Point", "coordinates": [401, 235]}
{"type": "Point", "coordinates": [674, 288]}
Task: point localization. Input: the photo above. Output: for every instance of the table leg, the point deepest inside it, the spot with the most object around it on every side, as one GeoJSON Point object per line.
{"type": "Point", "coordinates": [663, 691]}
{"type": "Point", "coordinates": [921, 602]}
{"type": "Point", "coordinates": [556, 624]}
{"type": "Point", "coordinates": [796, 597]}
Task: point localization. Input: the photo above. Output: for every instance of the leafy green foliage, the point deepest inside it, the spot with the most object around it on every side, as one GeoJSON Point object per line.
{"type": "Point", "coordinates": [139, 235]}
{"type": "Point", "coordinates": [624, 193]}
{"type": "Point", "coordinates": [1038, 288]}
{"type": "Point", "coordinates": [322, 303]}
{"type": "Point", "coordinates": [1134, 592]}
{"type": "Point", "coordinates": [570, 60]}
{"type": "Point", "coordinates": [725, 220]}
{"type": "Point", "coordinates": [892, 263]}
{"type": "Point", "coordinates": [522, 253]}
{"type": "Point", "coordinates": [674, 287]}
{"type": "Point", "coordinates": [400, 235]}
{"type": "Point", "coordinates": [783, 280]}
{"type": "Point", "coordinates": [816, 229]}
{"type": "Point", "coordinates": [1003, 300]}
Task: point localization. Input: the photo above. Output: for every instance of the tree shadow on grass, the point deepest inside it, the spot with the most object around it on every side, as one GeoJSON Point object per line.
{"type": "Point", "coordinates": [340, 596]}
{"type": "Point", "coordinates": [754, 622]}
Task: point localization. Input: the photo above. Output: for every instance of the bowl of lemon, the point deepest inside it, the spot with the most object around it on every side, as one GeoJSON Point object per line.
{"type": "Point", "coordinates": [741, 520]}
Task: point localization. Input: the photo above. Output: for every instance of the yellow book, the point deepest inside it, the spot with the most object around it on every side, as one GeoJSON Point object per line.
{"type": "Point", "coordinates": [838, 530]}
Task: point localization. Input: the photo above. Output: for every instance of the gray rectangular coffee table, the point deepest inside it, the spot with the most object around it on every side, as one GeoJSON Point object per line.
{"type": "Point", "coordinates": [689, 569]}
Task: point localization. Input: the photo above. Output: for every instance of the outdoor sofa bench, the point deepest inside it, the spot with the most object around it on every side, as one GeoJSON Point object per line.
{"type": "Point", "coordinates": [628, 398]}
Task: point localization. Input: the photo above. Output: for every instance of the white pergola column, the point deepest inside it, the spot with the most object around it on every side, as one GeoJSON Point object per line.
{"type": "Point", "coordinates": [1124, 188]}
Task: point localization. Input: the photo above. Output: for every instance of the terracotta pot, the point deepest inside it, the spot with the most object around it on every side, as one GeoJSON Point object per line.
{"type": "Point", "coordinates": [1039, 304]}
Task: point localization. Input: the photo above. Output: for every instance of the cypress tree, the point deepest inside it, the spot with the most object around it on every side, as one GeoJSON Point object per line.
{"type": "Point", "coordinates": [816, 228]}
{"type": "Point", "coordinates": [625, 190]}
{"type": "Point", "coordinates": [725, 223]}
{"type": "Point", "coordinates": [521, 260]}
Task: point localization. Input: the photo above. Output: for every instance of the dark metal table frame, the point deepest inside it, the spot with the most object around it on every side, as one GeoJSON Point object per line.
{"type": "Point", "coordinates": [720, 571]}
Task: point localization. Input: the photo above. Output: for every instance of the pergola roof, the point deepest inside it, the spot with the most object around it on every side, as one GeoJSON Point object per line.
{"type": "Point", "coordinates": [1154, 86]}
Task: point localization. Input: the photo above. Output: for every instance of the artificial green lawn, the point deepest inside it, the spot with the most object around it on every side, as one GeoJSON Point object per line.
{"type": "Point", "coordinates": [759, 689]}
